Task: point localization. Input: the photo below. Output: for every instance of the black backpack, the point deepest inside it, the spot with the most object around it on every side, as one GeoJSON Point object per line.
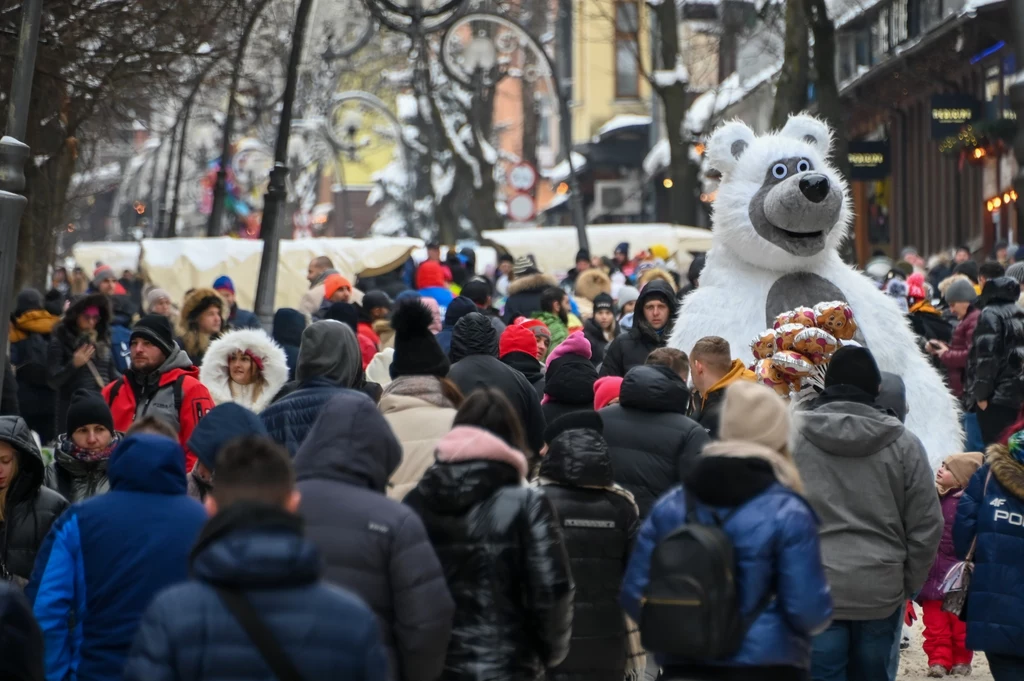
{"type": "Point", "coordinates": [690, 607]}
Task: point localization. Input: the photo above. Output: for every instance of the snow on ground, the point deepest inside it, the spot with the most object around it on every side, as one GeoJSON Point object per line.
{"type": "Point", "coordinates": [914, 663]}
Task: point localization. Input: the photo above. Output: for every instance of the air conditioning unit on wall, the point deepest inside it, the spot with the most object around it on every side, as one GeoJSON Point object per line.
{"type": "Point", "coordinates": [617, 197]}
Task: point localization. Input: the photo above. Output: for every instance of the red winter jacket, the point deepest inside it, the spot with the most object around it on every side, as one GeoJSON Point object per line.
{"type": "Point", "coordinates": [176, 397]}
{"type": "Point", "coordinates": [955, 359]}
{"type": "Point", "coordinates": [369, 342]}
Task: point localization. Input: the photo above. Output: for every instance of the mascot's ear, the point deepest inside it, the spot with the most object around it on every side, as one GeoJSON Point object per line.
{"type": "Point", "coordinates": [727, 145]}
{"type": "Point", "coordinates": [811, 130]}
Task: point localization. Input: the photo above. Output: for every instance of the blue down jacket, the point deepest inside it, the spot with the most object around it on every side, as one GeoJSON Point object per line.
{"type": "Point", "coordinates": [775, 537]}
{"type": "Point", "coordinates": [996, 517]}
{"type": "Point", "coordinates": [105, 559]}
{"type": "Point", "coordinates": [188, 632]}
{"type": "Point", "coordinates": [289, 420]}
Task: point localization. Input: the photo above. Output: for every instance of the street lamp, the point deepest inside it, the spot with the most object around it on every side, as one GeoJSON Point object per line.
{"type": "Point", "coordinates": [14, 152]}
{"type": "Point", "coordinates": [495, 38]}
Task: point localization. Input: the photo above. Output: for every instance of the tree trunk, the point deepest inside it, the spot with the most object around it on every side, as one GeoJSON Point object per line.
{"type": "Point", "coordinates": [682, 195]}
{"type": "Point", "coordinates": [791, 92]}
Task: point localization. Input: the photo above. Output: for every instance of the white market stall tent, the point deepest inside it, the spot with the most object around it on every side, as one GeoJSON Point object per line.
{"type": "Point", "coordinates": [555, 247]}
{"type": "Point", "coordinates": [178, 265]}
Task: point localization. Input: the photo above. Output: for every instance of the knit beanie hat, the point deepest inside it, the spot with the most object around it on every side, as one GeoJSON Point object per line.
{"type": "Point", "coordinates": [154, 296]}
{"type": "Point", "coordinates": [606, 389]}
{"type": "Point", "coordinates": [754, 413]}
{"type": "Point", "coordinates": [525, 265]}
{"type": "Point", "coordinates": [346, 313]}
{"type": "Point", "coordinates": [622, 248]}
{"type": "Point", "coordinates": [333, 282]}
{"type": "Point", "coordinates": [962, 291]}
{"type": "Point", "coordinates": [628, 294]}
{"type": "Point", "coordinates": [915, 287]}
{"type": "Point", "coordinates": [538, 327]}
{"type": "Point", "coordinates": [1016, 272]}
{"type": "Point", "coordinates": [964, 465]}
{"type": "Point", "coordinates": [223, 283]}
{"type": "Point", "coordinates": [854, 366]}
{"type": "Point", "coordinates": [416, 350]}
{"type": "Point", "coordinates": [603, 301]}
{"type": "Point", "coordinates": [155, 328]}
{"type": "Point", "coordinates": [223, 423]}
{"type": "Point", "coordinates": [88, 407]}
{"type": "Point", "coordinates": [102, 273]}
{"type": "Point", "coordinates": [516, 338]}
{"type": "Point", "coordinates": [573, 421]}
{"type": "Point", "coordinates": [375, 299]}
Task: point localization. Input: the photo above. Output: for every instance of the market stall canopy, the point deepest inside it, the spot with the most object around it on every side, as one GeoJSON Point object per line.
{"type": "Point", "coordinates": [555, 247]}
{"type": "Point", "coordinates": [178, 265]}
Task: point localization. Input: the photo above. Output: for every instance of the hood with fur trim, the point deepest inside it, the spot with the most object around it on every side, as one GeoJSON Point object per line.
{"type": "Point", "coordinates": [653, 274]}
{"type": "Point", "coordinates": [469, 443]}
{"type": "Point", "coordinates": [531, 282]}
{"type": "Point", "coordinates": [1006, 470]}
{"type": "Point", "coordinates": [215, 376]}
{"type": "Point", "coordinates": [194, 343]}
{"type": "Point", "coordinates": [591, 282]}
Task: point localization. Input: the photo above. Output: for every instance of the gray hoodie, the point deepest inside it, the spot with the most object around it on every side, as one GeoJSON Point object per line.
{"type": "Point", "coordinates": [329, 350]}
{"type": "Point", "coordinates": [869, 481]}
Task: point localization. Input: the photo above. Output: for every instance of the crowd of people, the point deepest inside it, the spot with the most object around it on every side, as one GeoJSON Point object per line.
{"type": "Point", "coordinates": [446, 474]}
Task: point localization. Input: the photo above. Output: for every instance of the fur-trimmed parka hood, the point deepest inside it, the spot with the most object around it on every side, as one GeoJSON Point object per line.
{"type": "Point", "coordinates": [194, 343]}
{"type": "Point", "coordinates": [215, 376]}
{"type": "Point", "coordinates": [655, 273]}
{"type": "Point", "coordinates": [531, 282]}
{"type": "Point", "coordinates": [69, 323]}
{"type": "Point", "coordinates": [1006, 470]}
{"type": "Point", "coordinates": [591, 282]}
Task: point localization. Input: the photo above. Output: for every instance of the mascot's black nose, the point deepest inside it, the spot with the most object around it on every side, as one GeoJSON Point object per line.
{"type": "Point", "coordinates": [814, 187]}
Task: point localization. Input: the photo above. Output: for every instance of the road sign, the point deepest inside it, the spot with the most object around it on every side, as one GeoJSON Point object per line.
{"type": "Point", "coordinates": [522, 177]}
{"type": "Point", "coordinates": [521, 208]}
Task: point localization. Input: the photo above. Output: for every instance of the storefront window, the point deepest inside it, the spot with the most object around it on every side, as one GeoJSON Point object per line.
{"type": "Point", "coordinates": [627, 50]}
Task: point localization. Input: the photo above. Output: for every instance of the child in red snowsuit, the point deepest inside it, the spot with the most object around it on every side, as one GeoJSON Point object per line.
{"type": "Point", "coordinates": [944, 632]}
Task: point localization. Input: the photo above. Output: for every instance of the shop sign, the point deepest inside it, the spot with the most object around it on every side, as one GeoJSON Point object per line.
{"type": "Point", "coordinates": [950, 113]}
{"type": "Point", "coordinates": [868, 160]}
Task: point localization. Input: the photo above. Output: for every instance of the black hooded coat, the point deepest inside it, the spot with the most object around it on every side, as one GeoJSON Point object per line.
{"type": "Point", "coordinates": [631, 348]}
{"type": "Point", "coordinates": [372, 545]}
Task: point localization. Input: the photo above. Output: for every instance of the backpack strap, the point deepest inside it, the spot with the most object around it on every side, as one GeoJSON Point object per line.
{"type": "Point", "coordinates": [178, 394]}
{"type": "Point", "coordinates": [114, 390]}
{"type": "Point", "coordinates": [259, 633]}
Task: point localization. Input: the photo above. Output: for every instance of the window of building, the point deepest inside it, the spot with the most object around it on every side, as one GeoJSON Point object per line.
{"type": "Point", "coordinates": [627, 49]}
{"type": "Point", "coordinates": [900, 21]}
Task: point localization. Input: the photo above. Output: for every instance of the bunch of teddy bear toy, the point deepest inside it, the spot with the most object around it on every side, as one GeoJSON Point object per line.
{"type": "Point", "coordinates": [792, 357]}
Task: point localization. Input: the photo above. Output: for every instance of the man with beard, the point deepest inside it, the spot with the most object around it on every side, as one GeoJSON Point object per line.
{"type": "Point", "coordinates": [554, 312]}
{"type": "Point", "coordinates": [161, 381]}
{"type": "Point", "coordinates": [652, 325]}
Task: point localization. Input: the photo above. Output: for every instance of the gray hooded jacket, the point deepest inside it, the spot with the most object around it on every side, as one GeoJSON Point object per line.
{"type": "Point", "coordinates": [869, 481]}
{"type": "Point", "coordinates": [372, 545]}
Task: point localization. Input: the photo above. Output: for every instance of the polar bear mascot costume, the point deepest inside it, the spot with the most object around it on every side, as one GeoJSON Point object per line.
{"type": "Point", "coordinates": [781, 213]}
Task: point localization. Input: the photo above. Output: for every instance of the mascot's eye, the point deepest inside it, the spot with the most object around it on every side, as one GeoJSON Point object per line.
{"type": "Point", "coordinates": [803, 165]}
{"type": "Point", "coordinates": [779, 171]}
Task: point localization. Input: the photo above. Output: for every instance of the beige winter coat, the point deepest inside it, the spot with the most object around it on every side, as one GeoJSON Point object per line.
{"type": "Point", "coordinates": [411, 406]}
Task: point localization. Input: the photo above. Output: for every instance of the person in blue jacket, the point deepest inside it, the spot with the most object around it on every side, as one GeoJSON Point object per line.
{"type": "Point", "coordinates": [254, 549]}
{"type": "Point", "coordinates": [105, 558]}
{"type": "Point", "coordinates": [774, 534]}
{"type": "Point", "coordinates": [990, 512]}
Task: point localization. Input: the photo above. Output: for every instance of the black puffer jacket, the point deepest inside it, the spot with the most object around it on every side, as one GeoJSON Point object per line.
{"type": "Point", "coordinates": [64, 377]}
{"type": "Point", "coordinates": [569, 386]}
{"type": "Point", "coordinates": [506, 567]}
{"type": "Point", "coordinates": [997, 352]}
{"type": "Point", "coordinates": [530, 367]}
{"type": "Point", "coordinates": [631, 348]}
{"type": "Point", "coordinates": [650, 440]}
{"type": "Point", "coordinates": [599, 526]}
{"type": "Point", "coordinates": [30, 508]}
{"type": "Point", "coordinates": [475, 364]}
{"type": "Point", "coordinates": [371, 545]}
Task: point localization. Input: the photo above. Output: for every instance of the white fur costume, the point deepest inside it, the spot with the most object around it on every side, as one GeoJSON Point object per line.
{"type": "Point", "coordinates": [745, 277]}
{"type": "Point", "coordinates": [214, 371]}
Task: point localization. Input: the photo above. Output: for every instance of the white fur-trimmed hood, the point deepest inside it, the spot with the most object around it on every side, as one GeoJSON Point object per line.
{"type": "Point", "coordinates": [214, 372]}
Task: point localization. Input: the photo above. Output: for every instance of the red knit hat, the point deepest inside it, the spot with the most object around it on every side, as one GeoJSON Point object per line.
{"type": "Point", "coordinates": [606, 389]}
{"type": "Point", "coordinates": [517, 339]}
{"type": "Point", "coordinates": [538, 327]}
{"type": "Point", "coordinates": [915, 287]}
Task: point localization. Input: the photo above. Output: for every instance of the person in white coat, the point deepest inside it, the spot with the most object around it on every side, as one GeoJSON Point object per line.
{"type": "Point", "coordinates": [246, 367]}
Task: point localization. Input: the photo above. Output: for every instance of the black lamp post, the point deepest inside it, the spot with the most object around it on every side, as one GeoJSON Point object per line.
{"type": "Point", "coordinates": [14, 152]}
{"type": "Point", "coordinates": [1017, 100]}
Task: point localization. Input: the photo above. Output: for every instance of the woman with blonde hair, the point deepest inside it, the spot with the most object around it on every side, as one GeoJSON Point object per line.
{"type": "Point", "coordinates": [246, 367]}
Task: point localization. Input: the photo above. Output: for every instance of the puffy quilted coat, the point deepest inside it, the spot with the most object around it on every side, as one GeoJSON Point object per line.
{"type": "Point", "coordinates": [650, 441]}
{"type": "Point", "coordinates": [475, 364]}
{"type": "Point", "coordinates": [599, 525]}
{"type": "Point", "coordinates": [954, 360]}
{"type": "Point", "coordinates": [371, 545]}
{"type": "Point", "coordinates": [993, 515]}
{"type": "Point", "coordinates": [289, 420]}
{"type": "Point", "coordinates": [188, 632]}
{"type": "Point", "coordinates": [631, 348]}
{"type": "Point", "coordinates": [64, 377]}
{"type": "Point", "coordinates": [30, 508]}
{"type": "Point", "coordinates": [997, 354]}
{"type": "Point", "coordinates": [775, 537]}
{"type": "Point", "coordinates": [420, 416]}
{"type": "Point", "coordinates": [946, 558]}
{"type": "Point", "coordinates": [106, 558]}
{"type": "Point", "coordinates": [504, 561]}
